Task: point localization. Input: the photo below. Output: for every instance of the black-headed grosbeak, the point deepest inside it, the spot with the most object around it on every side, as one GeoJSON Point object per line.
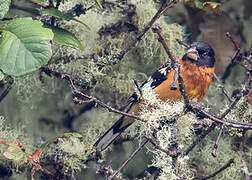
{"type": "Point", "coordinates": [197, 68]}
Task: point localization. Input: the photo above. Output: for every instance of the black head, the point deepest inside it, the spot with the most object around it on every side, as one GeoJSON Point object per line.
{"type": "Point", "coordinates": [200, 53]}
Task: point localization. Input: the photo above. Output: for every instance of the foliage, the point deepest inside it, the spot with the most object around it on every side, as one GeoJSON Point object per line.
{"type": "Point", "coordinates": [25, 46]}
{"type": "Point", "coordinates": [35, 51]}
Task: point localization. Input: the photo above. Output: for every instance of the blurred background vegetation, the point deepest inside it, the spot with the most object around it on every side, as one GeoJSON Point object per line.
{"type": "Point", "coordinates": [39, 107]}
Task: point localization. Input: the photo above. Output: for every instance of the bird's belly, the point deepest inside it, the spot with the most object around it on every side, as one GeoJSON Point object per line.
{"type": "Point", "coordinates": [196, 87]}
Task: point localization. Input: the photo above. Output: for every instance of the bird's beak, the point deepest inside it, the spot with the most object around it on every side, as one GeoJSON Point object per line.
{"type": "Point", "coordinates": [192, 53]}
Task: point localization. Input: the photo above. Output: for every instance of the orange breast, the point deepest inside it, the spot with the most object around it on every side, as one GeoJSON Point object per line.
{"type": "Point", "coordinates": [196, 80]}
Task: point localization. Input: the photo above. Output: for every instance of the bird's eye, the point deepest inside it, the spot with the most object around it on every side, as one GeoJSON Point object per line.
{"type": "Point", "coordinates": [205, 54]}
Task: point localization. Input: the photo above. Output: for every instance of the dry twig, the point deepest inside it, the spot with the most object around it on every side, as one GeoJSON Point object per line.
{"type": "Point", "coordinates": [231, 161]}
{"type": "Point", "coordinates": [128, 160]}
{"type": "Point", "coordinates": [95, 100]}
{"type": "Point", "coordinates": [161, 10]}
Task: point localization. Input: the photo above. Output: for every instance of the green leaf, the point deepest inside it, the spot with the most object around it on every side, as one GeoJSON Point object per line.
{"type": "Point", "coordinates": [25, 46]}
{"type": "Point", "coordinates": [59, 14]}
{"type": "Point", "coordinates": [98, 2]}
{"type": "Point", "coordinates": [212, 5]}
{"type": "Point", "coordinates": [65, 135]}
{"type": "Point", "coordinates": [4, 7]}
{"type": "Point", "coordinates": [15, 153]}
{"type": "Point", "coordinates": [72, 134]}
{"type": "Point", "coordinates": [64, 37]}
{"type": "Point", "coordinates": [198, 4]}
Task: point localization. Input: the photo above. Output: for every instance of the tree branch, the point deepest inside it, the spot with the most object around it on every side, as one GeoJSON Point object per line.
{"type": "Point", "coordinates": [161, 10]}
{"type": "Point", "coordinates": [175, 64]}
{"type": "Point", "coordinates": [102, 104]}
{"type": "Point", "coordinates": [231, 161]}
{"type": "Point", "coordinates": [9, 82]}
{"type": "Point", "coordinates": [221, 119]}
{"type": "Point", "coordinates": [224, 91]}
{"type": "Point", "coordinates": [129, 159]}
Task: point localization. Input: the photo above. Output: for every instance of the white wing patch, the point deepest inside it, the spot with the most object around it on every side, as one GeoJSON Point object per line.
{"type": "Point", "coordinates": [163, 71]}
{"type": "Point", "coordinates": [157, 78]}
{"type": "Point", "coordinates": [147, 84]}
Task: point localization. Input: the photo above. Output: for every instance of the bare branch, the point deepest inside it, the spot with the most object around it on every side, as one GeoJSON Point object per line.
{"type": "Point", "coordinates": [138, 87]}
{"type": "Point", "coordinates": [224, 91]}
{"type": "Point", "coordinates": [9, 82]}
{"type": "Point", "coordinates": [182, 43]}
{"type": "Point", "coordinates": [175, 63]}
{"type": "Point", "coordinates": [237, 48]}
{"type": "Point", "coordinates": [158, 29]}
{"type": "Point", "coordinates": [167, 151]}
{"type": "Point", "coordinates": [161, 10]}
{"type": "Point", "coordinates": [221, 119]}
{"type": "Point", "coordinates": [129, 159]}
{"type": "Point", "coordinates": [202, 136]}
{"type": "Point", "coordinates": [217, 141]}
{"type": "Point", "coordinates": [233, 124]}
{"type": "Point", "coordinates": [182, 86]}
{"type": "Point", "coordinates": [231, 161]}
{"type": "Point", "coordinates": [102, 104]}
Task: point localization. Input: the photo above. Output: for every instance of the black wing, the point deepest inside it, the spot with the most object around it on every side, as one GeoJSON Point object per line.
{"type": "Point", "coordinates": [153, 81]}
{"type": "Point", "coordinates": [157, 77]}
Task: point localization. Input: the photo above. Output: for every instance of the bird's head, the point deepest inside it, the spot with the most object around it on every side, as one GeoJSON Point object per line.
{"type": "Point", "coordinates": [200, 53]}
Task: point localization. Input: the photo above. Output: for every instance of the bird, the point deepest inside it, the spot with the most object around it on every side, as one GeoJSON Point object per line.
{"type": "Point", "coordinates": [196, 68]}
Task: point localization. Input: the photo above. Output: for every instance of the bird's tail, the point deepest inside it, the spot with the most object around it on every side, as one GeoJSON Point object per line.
{"type": "Point", "coordinates": [124, 122]}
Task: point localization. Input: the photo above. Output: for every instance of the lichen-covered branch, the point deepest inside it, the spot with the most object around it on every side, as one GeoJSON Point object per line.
{"type": "Point", "coordinates": [95, 100]}
{"type": "Point", "coordinates": [161, 10]}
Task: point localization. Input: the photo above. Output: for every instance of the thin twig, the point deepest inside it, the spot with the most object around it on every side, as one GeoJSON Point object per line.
{"type": "Point", "coordinates": [158, 29]}
{"type": "Point", "coordinates": [217, 141]}
{"type": "Point", "coordinates": [224, 91]}
{"type": "Point", "coordinates": [161, 10]}
{"type": "Point", "coordinates": [232, 105]}
{"type": "Point", "coordinates": [62, 75]}
{"type": "Point", "coordinates": [182, 43]}
{"type": "Point", "coordinates": [167, 151]}
{"type": "Point", "coordinates": [129, 159]}
{"type": "Point", "coordinates": [219, 120]}
{"type": "Point", "coordinates": [138, 87]}
{"type": "Point", "coordinates": [202, 136]}
{"type": "Point", "coordinates": [175, 63]}
{"type": "Point", "coordinates": [9, 83]}
{"type": "Point", "coordinates": [182, 86]}
{"type": "Point", "coordinates": [237, 48]}
{"type": "Point", "coordinates": [102, 104]}
{"type": "Point", "coordinates": [231, 161]}
{"type": "Point", "coordinates": [238, 53]}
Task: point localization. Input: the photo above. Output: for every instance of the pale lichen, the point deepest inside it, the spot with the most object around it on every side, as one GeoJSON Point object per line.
{"type": "Point", "coordinates": [206, 164]}
{"type": "Point", "coordinates": [154, 110]}
{"type": "Point", "coordinates": [168, 125]}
